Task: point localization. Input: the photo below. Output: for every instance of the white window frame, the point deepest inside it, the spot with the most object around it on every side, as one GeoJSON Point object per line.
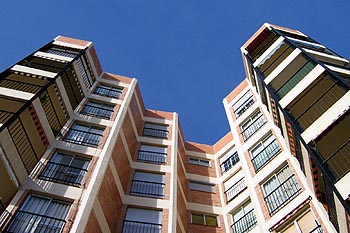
{"type": "Point", "coordinates": [204, 218]}
{"type": "Point", "coordinates": [199, 161]}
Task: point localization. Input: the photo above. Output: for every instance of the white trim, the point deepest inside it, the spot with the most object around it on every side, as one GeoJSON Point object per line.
{"type": "Point", "coordinates": [33, 71]}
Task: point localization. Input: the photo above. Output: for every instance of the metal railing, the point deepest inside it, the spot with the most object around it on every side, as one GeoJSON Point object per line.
{"type": "Point", "coordinates": [24, 221]}
{"type": "Point", "coordinates": [339, 161]}
{"type": "Point", "coordinates": [63, 173]}
{"type": "Point", "coordinates": [253, 127]}
{"type": "Point", "coordinates": [151, 157]}
{"type": "Point", "coordinates": [108, 91]}
{"type": "Point", "coordinates": [265, 155]}
{"type": "Point", "coordinates": [3, 218]}
{"type": "Point", "coordinates": [281, 195]}
{"type": "Point", "coordinates": [83, 137]}
{"type": "Point", "coordinates": [141, 227]}
{"type": "Point", "coordinates": [147, 188]}
{"type": "Point", "coordinates": [235, 190]}
{"type": "Point", "coordinates": [319, 106]}
{"type": "Point", "coordinates": [155, 133]}
{"type": "Point", "coordinates": [245, 223]}
{"type": "Point", "coordinates": [244, 107]}
{"type": "Point", "coordinates": [229, 163]}
{"type": "Point", "coordinates": [317, 229]}
{"type": "Point", "coordinates": [100, 112]}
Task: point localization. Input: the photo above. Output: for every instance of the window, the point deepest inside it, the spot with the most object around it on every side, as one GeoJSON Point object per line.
{"type": "Point", "coordinates": [84, 135]}
{"type": "Point", "coordinates": [201, 186]}
{"type": "Point", "coordinates": [155, 130]}
{"type": "Point", "coordinates": [279, 189]}
{"type": "Point", "coordinates": [252, 125]}
{"type": "Point", "coordinates": [305, 223]}
{"type": "Point", "coordinates": [62, 51]}
{"type": "Point", "coordinates": [264, 151]}
{"type": "Point", "coordinates": [148, 184]}
{"type": "Point", "coordinates": [244, 218]}
{"type": "Point", "coordinates": [152, 154]}
{"type": "Point", "coordinates": [243, 104]}
{"type": "Point", "coordinates": [96, 109]}
{"type": "Point", "coordinates": [142, 220]}
{"type": "Point", "coordinates": [199, 161]}
{"type": "Point", "coordinates": [39, 214]}
{"type": "Point", "coordinates": [109, 91]}
{"type": "Point", "coordinates": [64, 168]}
{"type": "Point", "coordinates": [228, 161]}
{"type": "Point", "coordinates": [204, 219]}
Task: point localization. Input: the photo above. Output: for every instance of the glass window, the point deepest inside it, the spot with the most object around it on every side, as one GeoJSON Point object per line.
{"type": "Point", "coordinates": [199, 161]}
{"type": "Point", "coordinates": [84, 134]}
{"type": "Point", "coordinates": [244, 218]}
{"type": "Point", "coordinates": [152, 154]}
{"type": "Point", "coordinates": [109, 91]}
{"type": "Point", "coordinates": [252, 125]}
{"type": "Point", "coordinates": [243, 103]}
{"type": "Point", "coordinates": [200, 186]}
{"type": "Point", "coordinates": [204, 219]}
{"type": "Point", "coordinates": [39, 214]}
{"type": "Point", "coordinates": [148, 184]}
{"type": "Point", "coordinates": [264, 151]}
{"type": "Point", "coordinates": [101, 110]}
{"type": "Point", "coordinates": [155, 130]}
{"type": "Point", "coordinates": [67, 169]}
{"type": "Point", "coordinates": [142, 220]}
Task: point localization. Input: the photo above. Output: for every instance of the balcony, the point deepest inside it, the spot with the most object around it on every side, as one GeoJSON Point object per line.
{"type": "Point", "coordinates": [235, 190]}
{"type": "Point", "coordinates": [155, 133]}
{"type": "Point", "coordinates": [282, 194]}
{"type": "Point", "coordinates": [83, 137]}
{"type": "Point", "coordinates": [24, 221]}
{"type": "Point", "coordinates": [229, 163]}
{"type": "Point", "coordinates": [240, 108]}
{"type": "Point", "coordinates": [147, 189]}
{"type": "Point", "coordinates": [151, 157]}
{"type": "Point", "coordinates": [245, 223]}
{"type": "Point", "coordinates": [98, 110]}
{"type": "Point", "coordinates": [306, 110]}
{"type": "Point", "coordinates": [265, 155]}
{"type": "Point", "coordinates": [141, 227]}
{"type": "Point", "coordinates": [62, 173]}
{"type": "Point", "coordinates": [249, 130]}
{"type": "Point", "coordinates": [108, 91]}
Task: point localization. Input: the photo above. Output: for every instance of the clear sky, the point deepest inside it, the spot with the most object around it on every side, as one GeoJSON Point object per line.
{"type": "Point", "coordinates": [184, 53]}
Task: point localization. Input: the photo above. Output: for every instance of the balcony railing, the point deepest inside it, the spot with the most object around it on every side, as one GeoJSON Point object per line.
{"type": "Point", "coordinates": [141, 227]}
{"type": "Point", "coordinates": [151, 157]}
{"type": "Point", "coordinates": [339, 161]}
{"type": "Point", "coordinates": [235, 190]}
{"type": "Point", "coordinates": [83, 137]}
{"type": "Point", "coordinates": [108, 91]}
{"type": "Point", "coordinates": [147, 188]}
{"type": "Point", "coordinates": [265, 155]}
{"type": "Point", "coordinates": [29, 222]}
{"type": "Point", "coordinates": [253, 127]}
{"type": "Point", "coordinates": [96, 111]}
{"type": "Point", "coordinates": [228, 163]}
{"type": "Point", "coordinates": [281, 195]}
{"type": "Point", "coordinates": [317, 229]}
{"type": "Point", "coordinates": [63, 173]}
{"type": "Point", "coordinates": [244, 107]}
{"type": "Point", "coordinates": [155, 133]}
{"type": "Point", "coordinates": [245, 224]}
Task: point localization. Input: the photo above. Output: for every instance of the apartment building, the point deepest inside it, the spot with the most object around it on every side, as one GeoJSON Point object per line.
{"type": "Point", "coordinates": [80, 152]}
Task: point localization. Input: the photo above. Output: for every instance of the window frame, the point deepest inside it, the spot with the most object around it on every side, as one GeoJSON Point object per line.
{"type": "Point", "coordinates": [204, 216]}
{"type": "Point", "coordinates": [201, 184]}
{"type": "Point", "coordinates": [102, 106]}
{"type": "Point", "coordinates": [199, 161]}
{"type": "Point", "coordinates": [107, 89]}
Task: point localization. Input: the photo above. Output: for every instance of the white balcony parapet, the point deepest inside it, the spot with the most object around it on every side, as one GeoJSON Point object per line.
{"type": "Point", "coordinates": [15, 94]}
{"type": "Point", "coordinates": [269, 52]}
{"type": "Point", "coordinates": [53, 56]}
{"type": "Point", "coordinates": [28, 70]}
{"type": "Point", "coordinates": [301, 86]}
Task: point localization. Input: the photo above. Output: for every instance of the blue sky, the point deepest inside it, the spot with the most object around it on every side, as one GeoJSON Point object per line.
{"type": "Point", "coordinates": [184, 53]}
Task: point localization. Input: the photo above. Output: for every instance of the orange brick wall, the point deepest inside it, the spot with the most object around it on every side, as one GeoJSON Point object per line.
{"type": "Point", "coordinates": [95, 60]}
{"type": "Point", "coordinates": [181, 208]}
{"type": "Point", "coordinates": [129, 134]}
{"type": "Point", "coordinates": [110, 200]}
{"type": "Point", "coordinates": [201, 170]}
{"type": "Point", "coordinates": [92, 226]}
